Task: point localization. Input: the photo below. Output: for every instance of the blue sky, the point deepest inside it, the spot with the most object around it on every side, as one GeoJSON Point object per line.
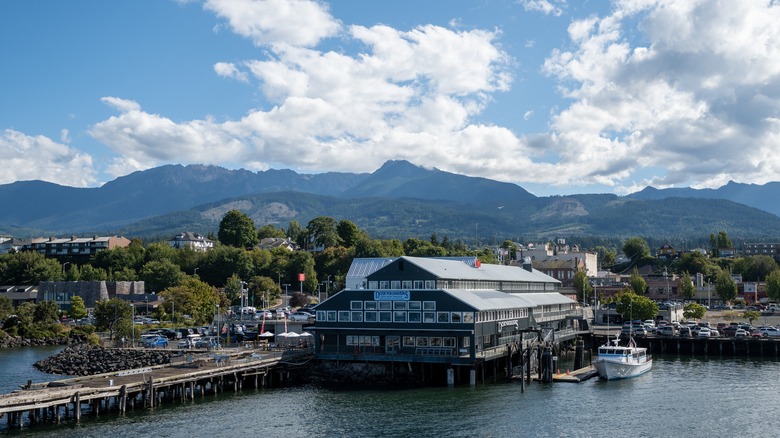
{"type": "Point", "coordinates": [557, 96]}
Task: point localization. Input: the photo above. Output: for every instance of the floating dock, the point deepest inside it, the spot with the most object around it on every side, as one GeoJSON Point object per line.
{"type": "Point", "coordinates": [576, 376]}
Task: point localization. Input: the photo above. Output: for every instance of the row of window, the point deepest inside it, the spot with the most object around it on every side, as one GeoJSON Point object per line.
{"type": "Point", "coordinates": [392, 305]}
{"type": "Point", "coordinates": [460, 284]}
{"type": "Point", "coordinates": [400, 316]}
{"type": "Point", "coordinates": [409, 341]}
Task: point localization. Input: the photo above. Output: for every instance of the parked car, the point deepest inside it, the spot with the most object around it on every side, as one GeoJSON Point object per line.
{"type": "Point", "coordinates": [714, 333]}
{"type": "Point", "coordinates": [732, 330]}
{"type": "Point", "coordinates": [155, 342]}
{"type": "Point", "coordinates": [704, 332]}
{"type": "Point", "coordinates": [300, 316]}
{"type": "Point", "coordinates": [756, 333]}
{"type": "Point", "coordinates": [740, 333]}
{"type": "Point", "coordinates": [770, 332]}
{"type": "Point", "coordinates": [665, 330]}
{"type": "Point", "coordinates": [685, 331]}
{"type": "Point", "coordinates": [639, 331]}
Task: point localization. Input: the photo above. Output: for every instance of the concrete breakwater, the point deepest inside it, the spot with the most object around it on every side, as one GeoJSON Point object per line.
{"type": "Point", "coordinates": [86, 360]}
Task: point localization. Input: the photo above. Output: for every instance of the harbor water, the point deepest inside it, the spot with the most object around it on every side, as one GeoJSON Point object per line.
{"type": "Point", "coordinates": [680, 397]}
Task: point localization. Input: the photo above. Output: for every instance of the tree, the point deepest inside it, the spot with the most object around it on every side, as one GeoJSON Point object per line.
{"type": "Point", "coordinates": [90, 273]}
{"type": "Point", "coordinates": [751, 315]}
{"type": "Point", "coordinates": [584, 289]}
{"type": "Point", "coordinates": [512, 248]}
{"type": "Point", "coordinates": [754, 268]}
{"type": "Point", "coordinates": [114, 316]}
{"type": "Point", "coordinates": [28, 267]}
{"type": "Point", "coordinates": [607, 256]}
{"type": "Point", "coordinates": [632, 306]}
{"type": "Point", "coordinates": [237, 229]}
{"type": "Point", "coordinates": [298, 299]}
{"type": "Point", "coordinates": [686, 286]}
{"type": "Point", "coordinates": [46, 312]}
{"type": "Point", "coordinates": [295, 233]}
{"type": "Point", "coordinates": [636, 249]}
{"type": "Point", "coordinates": [322, 230]}
{"type": "Point", "coordinates": [725, 287]}
{"type": "Point", "coordinates": [233, 288]}
{"type": "Point", "coordinates": [270, 231]}
{"type": "Point", "coordinates": [638, 284]}
{"type": "Point", "coordinates": [161, 274]}
{"type": "Point", "coordinates": [694, 311]}
{"type": "Point", "coordinates": [773, 286]}
{"type": "Point", "coordinates": [349, 233]}
{"type": "Point", "coordinates": [77, 308]}
{"type": "Point", "coordinates": [6, 308]}
{"type": "Point", "coordinates": [195, 298]}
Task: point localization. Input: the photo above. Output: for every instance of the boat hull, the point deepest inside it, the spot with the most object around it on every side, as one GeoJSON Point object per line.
{"type": "Point", "coordinates": [609, 370]}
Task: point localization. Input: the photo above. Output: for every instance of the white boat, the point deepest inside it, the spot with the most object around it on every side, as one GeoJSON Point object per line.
{"type": "Point", "coordinates": [622, 362]}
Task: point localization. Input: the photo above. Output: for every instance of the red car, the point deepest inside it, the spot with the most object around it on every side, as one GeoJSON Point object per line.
{"type": "Point", "coordinates": [756, 333]}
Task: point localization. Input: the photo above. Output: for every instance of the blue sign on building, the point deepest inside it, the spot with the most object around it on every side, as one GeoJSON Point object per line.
{"type": "Point", "coordinates": [391, 295]}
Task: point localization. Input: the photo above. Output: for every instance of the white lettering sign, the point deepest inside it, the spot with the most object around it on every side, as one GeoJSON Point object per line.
{"type": "Point", "coordinates": [502, 324]}
{"type": "Point", "coordinates": [391, 295]}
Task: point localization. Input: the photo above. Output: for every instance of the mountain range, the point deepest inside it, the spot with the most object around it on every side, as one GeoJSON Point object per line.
{"type": "Point", "coordinates": [398, 200]}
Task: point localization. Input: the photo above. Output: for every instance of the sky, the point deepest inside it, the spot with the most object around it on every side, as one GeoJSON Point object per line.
{"type": "Point", "coordinates": [557, 96]}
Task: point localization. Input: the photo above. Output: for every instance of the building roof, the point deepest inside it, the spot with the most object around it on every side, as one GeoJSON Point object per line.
{"type": "Point", "coordinates": [481, 299]}
{"type": "Point", "coordinates": [545, 299]}
{"type": "Point", "coordinates": [457, 270]}
{"type": "Point", "coordinates": [362, 267]}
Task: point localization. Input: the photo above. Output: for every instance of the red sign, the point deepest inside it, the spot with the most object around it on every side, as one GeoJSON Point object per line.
{"type": "Point", "coordinates": [301, 277]}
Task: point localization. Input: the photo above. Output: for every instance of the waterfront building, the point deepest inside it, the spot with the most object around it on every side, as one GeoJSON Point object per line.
{"type": "Point", "coordinates": [439, 310]}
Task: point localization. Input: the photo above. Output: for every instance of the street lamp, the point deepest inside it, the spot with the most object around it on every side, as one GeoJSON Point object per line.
{"type": "Point", "coordinates": [666, 277]}
{"type": "Point", "coordinates": [132, 307]}
{"type": "Point", "coordinates": [195, 271]}
{"type": "Point", "coordinates": [63, 268]}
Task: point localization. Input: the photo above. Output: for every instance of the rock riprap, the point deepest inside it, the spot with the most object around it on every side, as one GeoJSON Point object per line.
{"type": "Point", "coordinates": [90, 360]}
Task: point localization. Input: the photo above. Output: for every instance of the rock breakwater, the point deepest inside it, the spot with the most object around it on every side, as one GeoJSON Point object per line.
{"type": "Point", "coordinates": [87, 360]}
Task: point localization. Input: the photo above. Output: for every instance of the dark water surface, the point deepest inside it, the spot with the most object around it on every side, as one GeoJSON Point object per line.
{"type": "Point", "coordinates": [680, 397]}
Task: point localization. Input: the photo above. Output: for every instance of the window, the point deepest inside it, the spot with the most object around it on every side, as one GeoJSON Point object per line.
{"type": "Point", "coordinates": [418, 284]}
{"type": "Point", "coordinates": [352, 340]}
{"type": "Point", "coordinates": [406, 284]}
{"type": "Point", "coordinates": [430, 284]}
{"type": "Point", "coordinates": [343, 315]}
{"type": "Point", "coordinates": [370, 317]}
{"type": "Point", "coordinates": [448, 342]}
{"type": "Point", "coordinates": [414, 305]}
{"type": "Point", "coordinates": [455, 317]}
{"type": "Point", "coordinates": [465, 342]}
{"type": "Point", "coordinates": [429, 317]}
{"type": "Point", "coordinates": [370, 305]}
{"type": "Point", "coordinates": [384, 284]}
{"type": "Point", "coordinates": [468, 317]}
{"type": "Point", "coordinates": [414, 316]}
{"type": "Point", "coordinates": [331, 316]}
{"type": "Point", "coordinates": [399, 305]}
{"type": "Point", "coordinates": [399, 316]}
{"type": "Point", "coordinates": [408, 341]}
{"type": "Point", "coordinates": [429, 305]}
{"type": "Point", "coordinates": [422, 341]}
{"type": "Point", "coordinates": [385, 305]}
{"type": "Point", "coordinates": [356, 305]}
{"type": "Point", "coordinates": [373, 284]}
{"type": "Point", "coordinates": [322, 315]}
{"type": "Point", "coordinates": [385, 316]}
{"type": "Point", "coordinates": [435, 341]}
{"type": "Point", "coordinates": [443, 317]}
{"type": "Point", "coordinates": [357, 316]}
{"type": "Point", "coordinates": [395, 284]}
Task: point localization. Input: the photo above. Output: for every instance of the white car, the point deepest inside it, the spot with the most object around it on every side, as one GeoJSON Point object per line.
{"type": "Point", "coordinates": [704, 332]}
{"type": "Point", "coordinates": [770, 332]}
{"type": "Point", "coordinates": [300, 316]}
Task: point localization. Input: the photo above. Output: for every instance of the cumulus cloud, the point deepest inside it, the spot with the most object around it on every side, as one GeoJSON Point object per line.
{"type": "Point", "coordinates": [546, 7]}
{"type": "Point", "coordinates": [702, 89]}
{"type": "Point", "coordinates": [689, 92]}
{"type": "Point", "coordinates": [277, 22]}
{"type": "Point", "coordinates": [53, 162]}
{"type": "Point", "coordinates": [407, 94]}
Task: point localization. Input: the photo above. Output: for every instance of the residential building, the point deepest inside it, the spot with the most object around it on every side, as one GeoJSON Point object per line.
{"type": "Point", "coordinates": [80, 247]}
{"type": "Point", "coordinates": [754, 249]}
{"type": "Point", "coordinates": [277, 242]}
{"type": "Point", "coordinates": [666, 251]}
{"type": "Point", "coordinates": [193, 241]}
{"type": "Point", "coordinates": [19, 294]}
{"type": "Point", "coordinates": [562, 270]}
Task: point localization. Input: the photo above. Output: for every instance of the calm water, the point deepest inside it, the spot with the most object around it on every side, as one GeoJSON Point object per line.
{"type": "Point", "coordinates": [680, 397]}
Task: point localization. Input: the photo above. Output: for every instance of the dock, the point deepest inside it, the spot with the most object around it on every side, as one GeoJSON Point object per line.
{"type": "Point", "coordinates": [576, 376]}
{"type": "Point", "coordinates": [189, 376]}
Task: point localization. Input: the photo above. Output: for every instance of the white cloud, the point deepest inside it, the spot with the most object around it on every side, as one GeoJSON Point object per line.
{"type": "Point", "coordinates": [273, 22]}
{"type": "Point", "coordinates": [53, 162]}
{"type": "Point", "coordinates": [229, 70]}
{"type": "Point", "coordinates": [697, 100]}
{"type": "Point", "coordinates": [546, 7]}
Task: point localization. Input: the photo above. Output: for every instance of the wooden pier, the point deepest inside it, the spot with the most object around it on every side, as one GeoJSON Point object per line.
{"type": "Point", "coordinates": [190, 376]}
